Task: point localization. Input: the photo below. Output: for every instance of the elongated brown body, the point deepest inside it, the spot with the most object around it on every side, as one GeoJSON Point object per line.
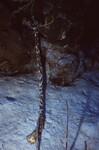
{"type": "Point", "coordinates": [36, 134]}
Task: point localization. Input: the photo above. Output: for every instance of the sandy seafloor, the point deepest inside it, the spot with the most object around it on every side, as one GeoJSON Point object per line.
{"type": "Point", "coordinates": [19, 103]}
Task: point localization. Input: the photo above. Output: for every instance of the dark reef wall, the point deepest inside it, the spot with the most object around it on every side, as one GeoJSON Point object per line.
{"type": "Point", "coordinates": [70, 48]}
